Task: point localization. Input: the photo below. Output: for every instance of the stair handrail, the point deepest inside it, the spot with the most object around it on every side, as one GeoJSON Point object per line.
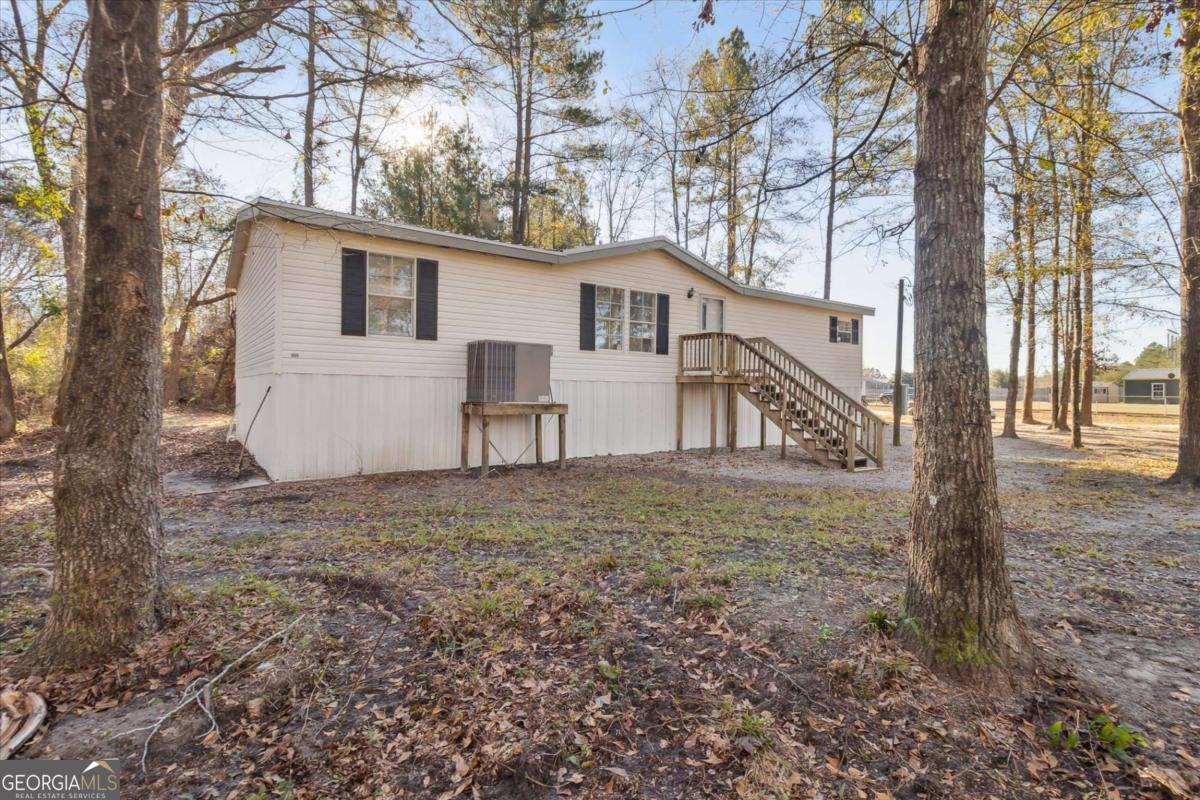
{"type": "Point", "coordinates": [858, 406]}
{"type": "Point", "coordinates": [710, 352]}
{"type": "Point", "coordinates": [870, 426]}
{"type": "Point", "coordinates": [839, 422]}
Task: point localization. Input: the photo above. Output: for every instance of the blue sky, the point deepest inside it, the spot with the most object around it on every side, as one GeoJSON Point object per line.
{"type": "Point", "coordinates": [251, 165]}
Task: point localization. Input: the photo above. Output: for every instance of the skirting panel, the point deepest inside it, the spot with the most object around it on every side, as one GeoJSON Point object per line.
{"type": "Point", "coordinates": [321, 426]}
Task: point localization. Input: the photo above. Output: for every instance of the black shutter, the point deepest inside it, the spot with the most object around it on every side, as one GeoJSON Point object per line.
{"type": "Point", "coordinates": [833, 329]}
{"type": "Point", "coordinates": [427, 298]}
{"type": "Point", "coordinates": [587, 316]}
{"type": "Point", "coordinates": [354, 293]}
{"type": "Point", "coordinates": [662, 324]}
{"type": "Point", "coordinates": [853, 331]}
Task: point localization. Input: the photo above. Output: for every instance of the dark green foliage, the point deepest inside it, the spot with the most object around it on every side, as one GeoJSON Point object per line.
{"type": "Point", "coordinates": [445, 185]}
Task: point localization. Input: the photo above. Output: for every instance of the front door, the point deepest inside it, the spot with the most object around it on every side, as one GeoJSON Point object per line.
{"type": "Point", "coordinates": [712, 315]}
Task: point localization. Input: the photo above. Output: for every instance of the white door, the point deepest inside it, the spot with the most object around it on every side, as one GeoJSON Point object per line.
{"type": "Point", "coordinates": [712, 315]}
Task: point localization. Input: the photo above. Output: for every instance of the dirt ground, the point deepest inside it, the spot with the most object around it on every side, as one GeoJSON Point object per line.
{"type": "Point", "coordinates": [659, 626]}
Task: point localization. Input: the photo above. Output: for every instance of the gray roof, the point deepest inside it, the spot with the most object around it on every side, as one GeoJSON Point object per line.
{"type": "Point", "coordinates": [1152, 374]}
{"type": "Point", "coordinates": [266, 208]}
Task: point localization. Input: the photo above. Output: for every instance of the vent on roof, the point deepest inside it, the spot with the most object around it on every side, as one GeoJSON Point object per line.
{"type": "Point", "coordinates": [508, 372]}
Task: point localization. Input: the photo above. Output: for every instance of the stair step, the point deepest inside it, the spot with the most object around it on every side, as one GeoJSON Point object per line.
{"type": "Point", "coordinates": [812, 432]}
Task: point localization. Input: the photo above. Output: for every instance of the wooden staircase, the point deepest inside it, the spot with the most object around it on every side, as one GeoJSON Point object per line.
{"type": "Point", "coordinates": [832, 427]}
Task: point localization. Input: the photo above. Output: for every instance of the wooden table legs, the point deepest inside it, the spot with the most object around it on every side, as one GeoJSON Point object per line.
{"type": "Point", "coordinates": [466, 440]}
{"type": "Point", "coordinates": [483, 456]}
{"type": "Point", "coordinates": [485, 411]}
{"type": "Point", "coordinates": [562, 441]}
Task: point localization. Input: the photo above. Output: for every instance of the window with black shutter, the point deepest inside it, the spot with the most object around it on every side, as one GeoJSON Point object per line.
{"type": "Point", "coordinates": [354, 293]}
{"type": "Point", "coordinates": [587, 316]}
{"type": "Point", "coordinates": [427, 299]}
{"type": "Point", "coordinates": [843, 331]}
{"type": "Point", "coordinates": [662, 335]}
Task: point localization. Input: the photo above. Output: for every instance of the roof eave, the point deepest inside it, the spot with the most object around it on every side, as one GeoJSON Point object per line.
{"type": "Point", "coordinates": [331, 220]}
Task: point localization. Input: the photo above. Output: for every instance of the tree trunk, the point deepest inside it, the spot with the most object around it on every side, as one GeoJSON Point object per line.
{"type": "Point", "coordinates": [175, 359]}
{"type": "Point", "coordinates": [1055, 290]}
{"type": "Point", "coordinates": [1064, 408]}
{"type": "Point", "coordinates": [1018, 300]}
{"type": "Point", "coordinates": [1027, 417]}
{"type": "Point", "coordinates": [958, 592]}
{"type": "Point", "coordinates": [829, 211]}
{"type": "Point", "coordinates": [518, 143]}
{"type": "Point", "coordinates": [70, 229]}
{"type": "Point", "coordinates": [1187, 470]}
{"type": "Point", "coordinates": [108, 590]}
{"type": "Point", "coordinates": [1055, 338]}
{"type": "Point", "coordinates": [1069, 322]}
{"type": "Point", "coordinates": [526, 161]}
{"type": "Point", "coordinates": [1086, 272]}
{"type": "Point", "coordinates": [356, 157]}
{"type": "Point", "coordinates": [731, 214]}
{"type": "Point", "coordinates": [8, 401]}
{"type": "Point", "coordinates": [310, 106]}
{"type": "Point", "coordinates": [1014, 360]}
{"type": "Point", "coordinates": [222, 368]}
{"type": "Point", "coordinates": [1076, 357]}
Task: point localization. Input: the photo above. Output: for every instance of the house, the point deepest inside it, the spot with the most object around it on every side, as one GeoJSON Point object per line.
{"type": "Point", "coordinates": [352, 347]}
{"type": "Point", "coordinates": [1105, 392]}
{"type": "Point", "coordinates": [1159, 385]}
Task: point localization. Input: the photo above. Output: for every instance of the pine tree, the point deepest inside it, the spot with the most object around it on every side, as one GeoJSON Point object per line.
{"type": "Point", "coordinates": [535, 56]}
{"type": "Point", "coordinates": [108, 590]}
{"type": "Point", "coordinates": [959, 597]}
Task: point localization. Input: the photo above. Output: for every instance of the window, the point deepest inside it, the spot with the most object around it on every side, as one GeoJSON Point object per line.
{"type": "Point", "coordinates": [1158, 391]}
{"type": "Point", "coordinates": [390, 291]}
{"type": "Point", "coordinates": [610, 318]}
{"type": "Point", "coordinates": [845, 331]}
{"type": "Point", "coordinates": [641, 321]}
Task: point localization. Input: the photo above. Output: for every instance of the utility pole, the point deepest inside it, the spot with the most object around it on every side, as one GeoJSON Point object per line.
{"type": "Point", "coordinates": [898, 392]}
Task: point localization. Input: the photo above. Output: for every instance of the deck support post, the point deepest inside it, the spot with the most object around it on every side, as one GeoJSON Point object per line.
{"type": "Point", "coordinates": [762, 430]}
{"type": "Point", "coordinates": [851, 439]}
{"type": "Point", "coordinates": [712, 402]}
{"type": "Point", "coordinates": [562, 441]}
{"type": "Point", "coordinates": [731, 422]}
{"type": "Point", "coordinates": [783, 419]}
{"type": "Point", "coordinates": [483, 459]}
{"type": "Point", "coordinates": [678, 416]}
{"type": "Point", "coordinates": [537, 436]}
{"type": "Point", "coordinates": [879, 443]}
{"type": "Point", "coordinates": [466, 440]}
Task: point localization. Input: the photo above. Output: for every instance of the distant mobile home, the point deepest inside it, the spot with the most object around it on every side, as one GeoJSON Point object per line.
{"type": "Point", "coordinates": [352, 347]}
{"type": "Point", "coordinates": [1157, 385]}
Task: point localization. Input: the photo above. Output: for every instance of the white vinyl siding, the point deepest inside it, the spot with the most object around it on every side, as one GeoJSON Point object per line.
{"type": "Point", "coordinates": [346, 404]}
{"type": "Point", "coordinates": [256, 304]}
{"type": "Point", "coordinates": [256, 355]}
{"type": "Point", "coordinates": [491, 297]}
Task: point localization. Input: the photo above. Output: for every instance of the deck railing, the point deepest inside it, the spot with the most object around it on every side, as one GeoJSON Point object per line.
{"type": "Point", "coordinates": [870, 425]}
{"type": "Point", "coordinates": [823, 411]}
